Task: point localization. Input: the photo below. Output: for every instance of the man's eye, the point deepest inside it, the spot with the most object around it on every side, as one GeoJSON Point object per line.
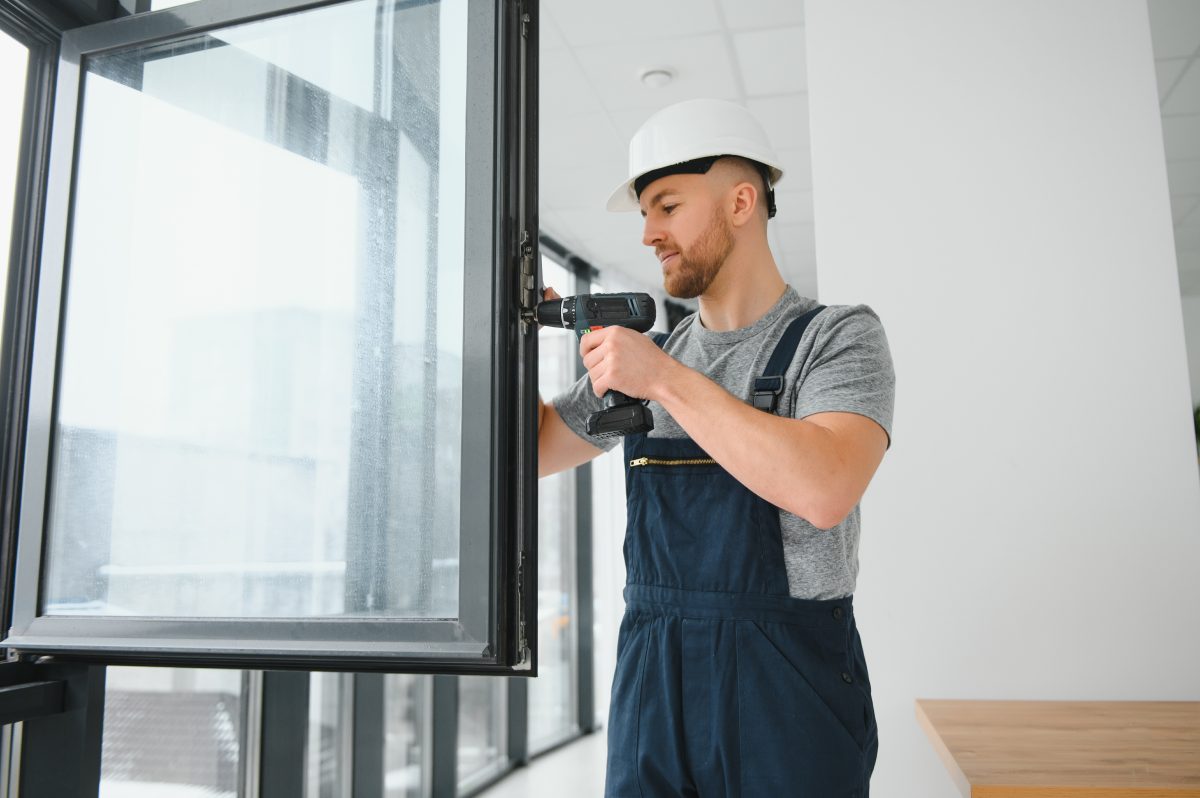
{"type": "Point", "coordinates": [669, 208]}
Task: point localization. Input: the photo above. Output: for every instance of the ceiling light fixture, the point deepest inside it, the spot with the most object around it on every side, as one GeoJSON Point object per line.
{"type": "Point", "coordinates": [657, 77]}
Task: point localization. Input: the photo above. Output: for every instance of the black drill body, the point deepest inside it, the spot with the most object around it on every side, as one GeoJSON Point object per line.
{"type": "Point", "coordinates": [585, 313]}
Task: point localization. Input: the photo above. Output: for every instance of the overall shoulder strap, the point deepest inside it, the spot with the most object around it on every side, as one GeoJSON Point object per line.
{"type": "Point", "coordinates": [768, 387]}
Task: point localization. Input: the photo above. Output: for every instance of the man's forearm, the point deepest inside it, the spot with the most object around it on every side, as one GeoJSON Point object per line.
{"type": "Point", "coordinates": [558, 447]}
{"type": "Point", "coordinates": [793, 464]}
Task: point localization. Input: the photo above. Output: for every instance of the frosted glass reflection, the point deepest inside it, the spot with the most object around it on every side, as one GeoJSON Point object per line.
{"type": "Point", "coordinates": [14, 57]}
{"type": "Point", "coordinates": [260, 402]}
{"type": "Point", "coordinates": [172, 733]}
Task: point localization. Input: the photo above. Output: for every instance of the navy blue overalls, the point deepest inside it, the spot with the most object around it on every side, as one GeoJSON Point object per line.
{"type": "Point", "coordinates": [726, 685]}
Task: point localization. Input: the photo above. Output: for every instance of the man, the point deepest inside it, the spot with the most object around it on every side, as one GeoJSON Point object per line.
{"type": "Point", "coordinates": [739, 666]}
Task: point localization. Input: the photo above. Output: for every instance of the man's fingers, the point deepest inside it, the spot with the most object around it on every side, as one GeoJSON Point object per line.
{"type": "Point", "coordinates": [592, 340]}
{"type": "Point", "coordinates": [592, 358]}
{"type": "Point", "coordinates": [599, 383]}
{"type": "Point", "coordinates": [549, 294]}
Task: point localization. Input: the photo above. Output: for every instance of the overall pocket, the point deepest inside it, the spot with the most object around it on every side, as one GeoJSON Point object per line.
{"type": "Point", "coordinates": [793, 734]}
{"type": "Point", "coordinates": [692, 526]}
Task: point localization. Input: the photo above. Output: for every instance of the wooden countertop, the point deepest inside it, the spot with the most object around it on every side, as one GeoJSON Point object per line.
{"type": "Point", "coordinates": [1067, 749]}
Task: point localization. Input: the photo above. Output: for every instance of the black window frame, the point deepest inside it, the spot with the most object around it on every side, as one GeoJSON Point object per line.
{"type": "Point", "coordinates": [39, 29]}
{"type": "Point", "coordinates": [496, 631]}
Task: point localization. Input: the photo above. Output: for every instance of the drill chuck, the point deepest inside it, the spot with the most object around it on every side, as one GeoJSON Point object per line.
{"type": "Point", "coordinates": [557, 313]}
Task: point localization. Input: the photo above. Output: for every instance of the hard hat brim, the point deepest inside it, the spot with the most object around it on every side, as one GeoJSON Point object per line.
{"type": "Point", "coordinates": [623, 199]}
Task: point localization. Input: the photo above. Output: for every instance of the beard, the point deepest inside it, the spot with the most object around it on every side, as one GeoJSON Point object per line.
{"type": "Point", "coordinates": [699, 265]}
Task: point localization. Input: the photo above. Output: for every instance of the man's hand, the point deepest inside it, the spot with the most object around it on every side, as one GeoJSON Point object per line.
{"type": "Point", "coordinates": [558, 447]}
{"type": "Point", "coordinates": [619, 359]}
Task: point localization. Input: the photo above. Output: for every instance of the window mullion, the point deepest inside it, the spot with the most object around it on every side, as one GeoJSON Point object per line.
{"type": "Point", "coordinates": [518, 721]}
{"type": "Point", "coordinates": [444, 739]}
{"type": "Point", "coordinates": [369, 736]}
{"type": "Point", "coordinates": [284, 733]}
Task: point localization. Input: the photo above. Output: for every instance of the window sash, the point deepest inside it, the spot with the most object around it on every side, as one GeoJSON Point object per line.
{"type": "Point", "coordinates": [499, 354]}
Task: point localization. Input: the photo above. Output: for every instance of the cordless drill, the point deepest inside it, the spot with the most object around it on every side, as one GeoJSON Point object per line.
{"type": "Point", "coordinates": [584, 313]}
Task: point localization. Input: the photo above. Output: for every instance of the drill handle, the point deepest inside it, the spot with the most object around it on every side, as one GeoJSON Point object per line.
{"type": "Point", "coordinates": [615, 398]}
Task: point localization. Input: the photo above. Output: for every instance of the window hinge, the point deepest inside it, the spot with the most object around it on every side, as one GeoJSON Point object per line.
{"type": "Point", "coordinates": [529, 297]}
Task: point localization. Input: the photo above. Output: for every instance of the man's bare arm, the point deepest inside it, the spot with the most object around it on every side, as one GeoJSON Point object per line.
{"type": "Point", "coordinates": [558, 447]}
{"type": "Point", "coordinates": [816, 468]}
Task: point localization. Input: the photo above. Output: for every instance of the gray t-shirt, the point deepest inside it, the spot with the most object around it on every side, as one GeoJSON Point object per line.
{"type": "Point", "coordinates": [842, 364]}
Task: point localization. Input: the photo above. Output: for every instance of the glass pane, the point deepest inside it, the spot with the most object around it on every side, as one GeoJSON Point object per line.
{"type": "Point", "coordinates": [406, 736]}
{"type": "Point", "coordinates": [327, 763]}
{"type": "Point", "coordinates": [171, 733]}
{"type": "Point", "coordinates": [14, 58]}
{"type": "Point", "coordinates": [482, 727]}
{"type": "Point", "coordinates": [259, 407]}
{"type": "Point", "coordinates": [552, 702]}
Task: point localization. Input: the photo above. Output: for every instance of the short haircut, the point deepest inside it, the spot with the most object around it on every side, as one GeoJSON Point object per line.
{"type": "Point", "coordinates": [751, 171]}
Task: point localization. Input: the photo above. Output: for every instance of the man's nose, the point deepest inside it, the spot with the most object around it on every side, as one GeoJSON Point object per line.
{"type": "Point", "coordinates": [652, 233]}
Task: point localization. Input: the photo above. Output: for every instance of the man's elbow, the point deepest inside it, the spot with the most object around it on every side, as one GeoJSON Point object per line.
{"type": "Point", "coordinates": [824, 523]}
{"type": "Point", "coordinates": [824, 515]}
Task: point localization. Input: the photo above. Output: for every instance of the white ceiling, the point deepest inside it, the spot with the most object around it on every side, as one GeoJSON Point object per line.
{"type": "Point", "coordinates": [592, 101]}
{"type": "Point", "coordinates": [753, 51]}
{"type": "Point", "coordinates": [1175, 28]}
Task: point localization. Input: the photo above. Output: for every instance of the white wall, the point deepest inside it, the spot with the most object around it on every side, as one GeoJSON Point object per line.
{"type": "Point", "coordinates": [989, 176]}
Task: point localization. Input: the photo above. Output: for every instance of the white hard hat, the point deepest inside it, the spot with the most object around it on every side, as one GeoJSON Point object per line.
{"type": "Point", "coordinates": [688, 131]}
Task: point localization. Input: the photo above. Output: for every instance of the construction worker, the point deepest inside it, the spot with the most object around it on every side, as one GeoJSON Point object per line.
{"type": "Point", "coordinates": [740, 671]}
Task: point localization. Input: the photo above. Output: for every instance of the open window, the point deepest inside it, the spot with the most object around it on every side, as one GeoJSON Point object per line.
{"type": "Point", "coordinates": [281, 411]}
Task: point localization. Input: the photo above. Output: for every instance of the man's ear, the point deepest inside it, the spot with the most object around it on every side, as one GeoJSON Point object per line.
{"type": "Point", "coordinates": [745, 202]}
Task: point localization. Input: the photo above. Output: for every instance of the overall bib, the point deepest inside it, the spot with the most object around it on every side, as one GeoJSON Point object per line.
{"type": "Point", "coordinates": [726, 685]}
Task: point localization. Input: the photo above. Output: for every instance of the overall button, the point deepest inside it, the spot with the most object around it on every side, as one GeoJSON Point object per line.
{"type": "Point", "coordinates": [847, 678]}
{"type": "Point", "coordinates": [837, 613]}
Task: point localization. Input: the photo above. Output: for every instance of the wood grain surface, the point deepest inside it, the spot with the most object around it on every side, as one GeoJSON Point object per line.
{"type": "Point", "coordinates": [1067, 749]}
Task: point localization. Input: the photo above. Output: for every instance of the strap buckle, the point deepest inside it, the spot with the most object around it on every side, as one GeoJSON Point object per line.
{"type": "Point", "coordinates": [766, 392]}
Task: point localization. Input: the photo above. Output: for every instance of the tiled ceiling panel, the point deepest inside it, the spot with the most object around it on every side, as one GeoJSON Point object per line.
{"type": "Point", "coordinates": [551, 40]}
{"type": "Point", "coordinates": [620, 21]}
{"type": "Point", "coordinates": [1184, 176]}
{"type": "Point", "coordinates": [1181, 136]}
{"type": "Point", "coordinates": [1184, 93]}
{"type": "Point", "coordinates": [565, 90]}
{"type": "Point", "coordinates": [701, 65]}
{"type": "Point", "coordinates": [1168, 70]}
{"type": "Point", "coordinates": [750, 14]}
{"type": "Point", "coordinates": [1175, 31]}
{"type": "Point", "coordinates": [1173, 25]}
{"type": "Point", "coordinates": [772, 61]}
{"type": "Point", "coordinates": [786, 120]}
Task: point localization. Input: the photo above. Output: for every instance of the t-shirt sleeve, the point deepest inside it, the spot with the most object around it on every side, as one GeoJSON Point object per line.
{"type": "Point", "coordinates": [575, 405]}
{"type": "Point", "coordinates": [849, 369]}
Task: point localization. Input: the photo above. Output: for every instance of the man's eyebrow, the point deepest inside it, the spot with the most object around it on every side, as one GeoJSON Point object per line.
{"type": "Point", "coordinates": [658, 198]}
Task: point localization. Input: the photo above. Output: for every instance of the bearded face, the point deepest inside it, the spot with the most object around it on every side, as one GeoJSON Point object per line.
{"type": "Point", "coordinates": [699, 264]}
